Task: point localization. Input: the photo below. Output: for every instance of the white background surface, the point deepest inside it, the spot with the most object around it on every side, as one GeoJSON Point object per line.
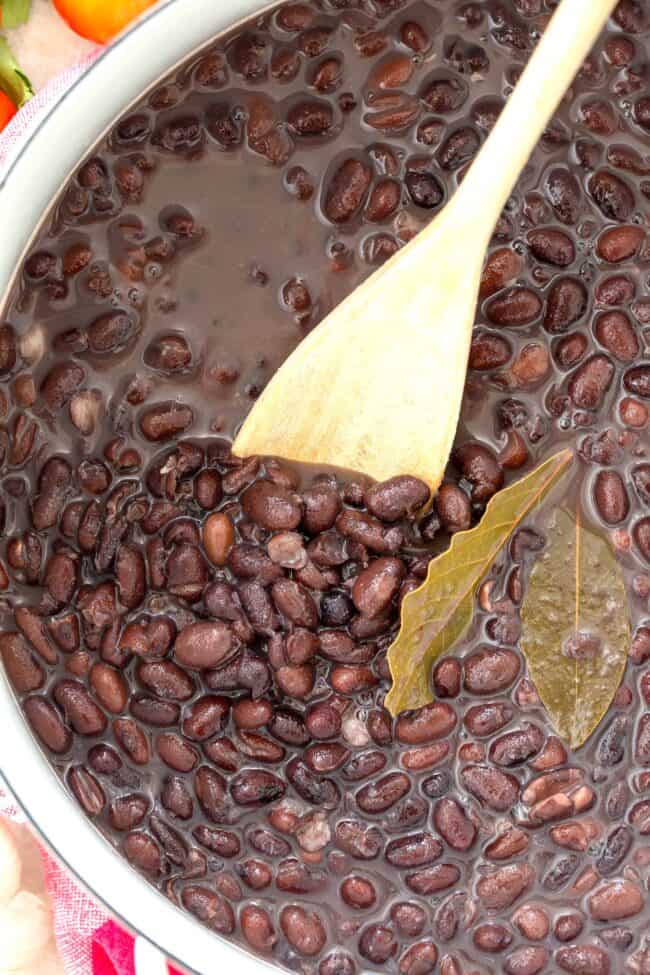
{"type": "Point", "coordinates": [45, 45]}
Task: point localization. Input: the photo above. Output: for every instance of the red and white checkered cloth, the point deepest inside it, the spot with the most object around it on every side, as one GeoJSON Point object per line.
{"type": "Point", "coordinates": [89, 942]}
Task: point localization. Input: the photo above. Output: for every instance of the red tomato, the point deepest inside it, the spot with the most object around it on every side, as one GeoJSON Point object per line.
{"type": "Point", "coordinates": [100, 20]}
{"type": "Point", "coordinates": [7, 110]}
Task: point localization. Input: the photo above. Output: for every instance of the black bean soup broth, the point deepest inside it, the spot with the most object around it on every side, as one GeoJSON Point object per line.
{"type": "Point", "coordinates": [199, 642]}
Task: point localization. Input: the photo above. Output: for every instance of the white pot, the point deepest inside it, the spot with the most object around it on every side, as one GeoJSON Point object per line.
{"type": "Point", "coordinates": [163, 39]}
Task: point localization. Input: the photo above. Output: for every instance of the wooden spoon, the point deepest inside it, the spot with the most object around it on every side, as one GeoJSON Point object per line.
{"type": "Point", "coordinates": [377, 386]}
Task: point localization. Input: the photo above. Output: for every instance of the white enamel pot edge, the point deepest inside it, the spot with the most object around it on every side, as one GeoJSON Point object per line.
{"type": "Point", "coordinates": [164, 38]}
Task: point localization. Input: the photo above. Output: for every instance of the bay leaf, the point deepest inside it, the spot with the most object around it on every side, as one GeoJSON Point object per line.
{"type": "Point", "coordinates": [436, 615]}
{"type": "Point", "coordinates": [575, 627]}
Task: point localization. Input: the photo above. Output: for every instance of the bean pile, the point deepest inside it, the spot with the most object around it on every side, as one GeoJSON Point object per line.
{"type": "Point", "coordinates": [199, 641]}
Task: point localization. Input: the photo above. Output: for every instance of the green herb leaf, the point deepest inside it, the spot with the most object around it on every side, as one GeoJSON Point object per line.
{"type": "Point", "coordinates": [12, 80]}
{"type": "Point", "coordinates": [14, 13]}
{"type": "Point", "coordinates": [435, 615]}
{"type": "Point", "coordinates": [575, 627]}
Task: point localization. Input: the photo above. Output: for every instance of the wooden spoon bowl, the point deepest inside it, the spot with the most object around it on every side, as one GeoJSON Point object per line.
{"type": "Point", "coordinates": [377, 386]}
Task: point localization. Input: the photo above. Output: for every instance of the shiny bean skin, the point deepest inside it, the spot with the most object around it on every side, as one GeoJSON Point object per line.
{"type": "Point", "coordinates": [384, 793]}
{"type": "Point", "coordinates": [46, 722]}
{"type": "Point", "coordinates": [80, 710]}
{"type": "Point", "coordinates": [304, 930]}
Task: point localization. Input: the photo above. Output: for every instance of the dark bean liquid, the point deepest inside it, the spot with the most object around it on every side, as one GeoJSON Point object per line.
{"type": "Point", "coordinates": [198, 641]}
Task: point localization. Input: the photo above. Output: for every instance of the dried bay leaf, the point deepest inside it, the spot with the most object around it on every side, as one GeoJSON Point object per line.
{"type": "Point", "coordinates": [436, 615]}
{"type": "Point", "coordinates": [575, 627]}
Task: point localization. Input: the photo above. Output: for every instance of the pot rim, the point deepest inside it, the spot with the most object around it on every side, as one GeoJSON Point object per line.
{"type": "Point", "coordinates": [164, 38]}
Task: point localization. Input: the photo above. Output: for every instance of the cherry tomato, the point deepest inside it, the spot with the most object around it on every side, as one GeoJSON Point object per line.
{"type": "Point", "coordinates": [7, 110]}
{"type": "Point", "coordinates": [100, 20]}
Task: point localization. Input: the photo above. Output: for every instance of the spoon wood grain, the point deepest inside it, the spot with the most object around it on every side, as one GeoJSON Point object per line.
{"type": "Point", "coordinates": [377, 386]}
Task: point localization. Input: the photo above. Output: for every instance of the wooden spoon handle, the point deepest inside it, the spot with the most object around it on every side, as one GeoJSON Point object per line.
{"type": "Point", "coordinates": [567, 40]}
